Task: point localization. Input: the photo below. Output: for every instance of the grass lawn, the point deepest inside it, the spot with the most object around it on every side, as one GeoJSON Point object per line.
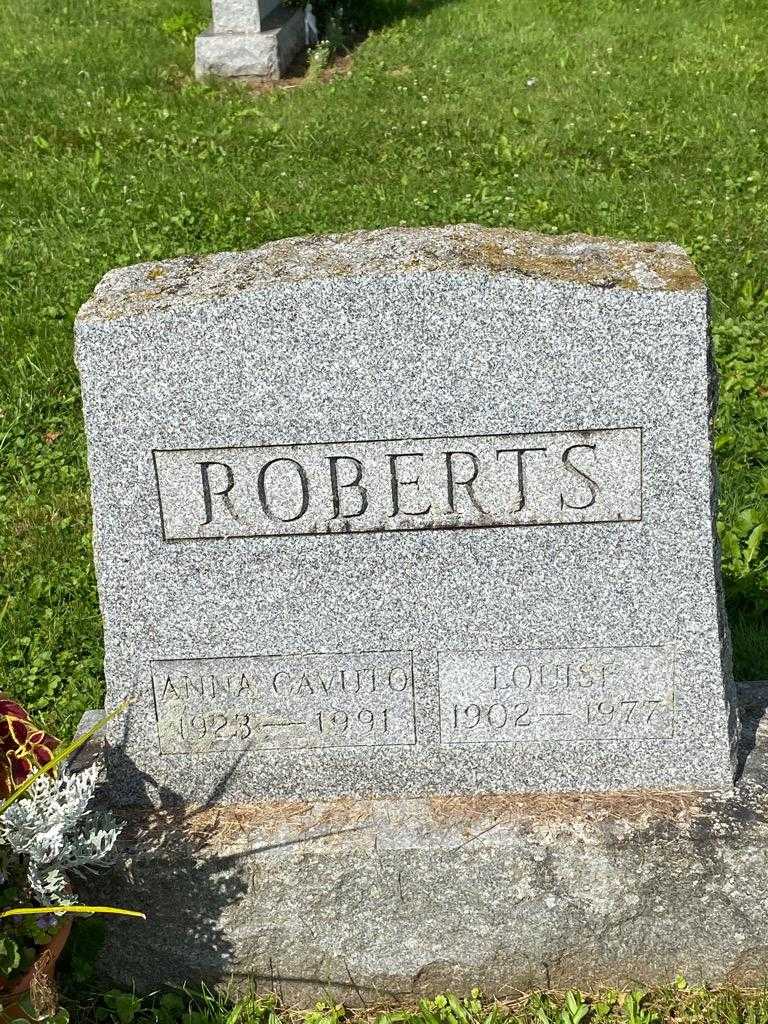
{"type": "Point", "coordinates": [643, 119]}
{"type": "Point", "coordinates": [676, 1003]}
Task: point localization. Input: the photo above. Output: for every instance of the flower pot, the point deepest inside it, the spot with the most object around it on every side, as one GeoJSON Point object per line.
{"type": "Point", "coordinates": [40, 976]}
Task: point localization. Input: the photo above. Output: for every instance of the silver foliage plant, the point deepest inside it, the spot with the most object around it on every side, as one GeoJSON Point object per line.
{"type": "Point", "coordinates": [56, 834]}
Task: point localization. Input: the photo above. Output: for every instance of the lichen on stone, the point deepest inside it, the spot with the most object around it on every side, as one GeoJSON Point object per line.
{"type": "Point", "coordinates": [574, 259]}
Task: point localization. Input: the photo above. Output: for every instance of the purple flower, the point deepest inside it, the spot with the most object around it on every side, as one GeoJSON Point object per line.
{"type": "Point", "coordinates": [46, 921]}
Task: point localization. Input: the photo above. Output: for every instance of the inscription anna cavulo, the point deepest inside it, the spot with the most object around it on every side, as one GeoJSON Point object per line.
{"type": "Point", "coordinates": [589, 476]}
{"type": "Point", "coordinates": [278, 702]}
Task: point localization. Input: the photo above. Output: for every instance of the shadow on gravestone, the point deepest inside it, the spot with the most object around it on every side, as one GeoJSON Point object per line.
{"type": "Point", "coordinates": [168, 872]}
{"type": "Point", "coordinates": [175, 871]}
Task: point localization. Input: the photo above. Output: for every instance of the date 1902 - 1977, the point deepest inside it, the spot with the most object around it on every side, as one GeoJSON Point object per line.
{"type": "Point", "coordinates": [596, 718]}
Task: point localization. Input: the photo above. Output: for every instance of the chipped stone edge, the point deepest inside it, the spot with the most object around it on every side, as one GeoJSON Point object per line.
{"type": "Point", "coordinates": [575, 259]}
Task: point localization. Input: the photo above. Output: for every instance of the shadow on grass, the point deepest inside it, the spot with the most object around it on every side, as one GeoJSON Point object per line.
{"type": "Point", "coordinates": [749, 637]}
{"type": "Point", "coordinates": [375, 15]}
{"type": "Point", "coordinates": [378, 14]}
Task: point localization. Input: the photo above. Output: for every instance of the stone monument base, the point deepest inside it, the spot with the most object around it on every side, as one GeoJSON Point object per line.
{"type": "Point", "coordinates": [255, 55]}
{"type": "Point", "coordinates": [371, 900]}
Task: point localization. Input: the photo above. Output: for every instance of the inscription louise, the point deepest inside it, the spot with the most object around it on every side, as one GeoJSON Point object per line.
{"type": "Point", "coordinates": [589, 694]}
{"type": "Point", "coordinates": [551, 478]}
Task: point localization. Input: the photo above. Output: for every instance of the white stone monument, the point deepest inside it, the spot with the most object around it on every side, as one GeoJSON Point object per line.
{"type": "Point", "coordinates": [249, 39]}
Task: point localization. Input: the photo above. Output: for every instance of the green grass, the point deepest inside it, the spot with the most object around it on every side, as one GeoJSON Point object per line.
{"type": "Point", "coordinates": [676, 1003]}
{"type": "Point", "coordinates": [644, 119]}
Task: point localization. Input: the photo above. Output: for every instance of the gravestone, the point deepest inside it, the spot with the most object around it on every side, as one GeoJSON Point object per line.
{"type": "Point", "coordinates": [249, 39]}
{"type": "Point", "coordinates": [409, 512]}
{"type": "Point", "coordinates": [405, 543]}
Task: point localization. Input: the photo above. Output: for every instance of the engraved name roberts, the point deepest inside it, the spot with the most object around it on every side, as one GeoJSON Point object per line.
{"type": "Point", "coordinates": [585, 476]}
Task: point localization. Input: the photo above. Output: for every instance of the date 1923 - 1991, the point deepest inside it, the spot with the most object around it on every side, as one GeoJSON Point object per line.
{"type": "Point", "coordinates": [217, 729]}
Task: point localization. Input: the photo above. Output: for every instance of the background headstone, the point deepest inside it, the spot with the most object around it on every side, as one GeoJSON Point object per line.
{"type": "Point", "coordinates": [249, 39]}
{"type": "Point", "coordinates": [241, 15]}
{"type": "Point", "coordinates": [408, 513]}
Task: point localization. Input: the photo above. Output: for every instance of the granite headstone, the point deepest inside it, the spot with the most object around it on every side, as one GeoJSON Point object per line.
{"type": "Point", "coordinates": [409, 512]}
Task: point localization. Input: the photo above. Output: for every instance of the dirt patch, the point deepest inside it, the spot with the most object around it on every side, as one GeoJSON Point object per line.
{"type": "Point", "coordinates": [298, 74]}
{"type": "Point", "coordinates": [550, 808]}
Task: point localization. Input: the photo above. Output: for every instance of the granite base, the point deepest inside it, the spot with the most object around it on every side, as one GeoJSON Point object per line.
{"type": "Point", "coordinates": [371, 900]}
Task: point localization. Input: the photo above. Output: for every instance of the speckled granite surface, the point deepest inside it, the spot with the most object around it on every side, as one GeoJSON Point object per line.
{"type": "Point", "coordinates": [407, 513]}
